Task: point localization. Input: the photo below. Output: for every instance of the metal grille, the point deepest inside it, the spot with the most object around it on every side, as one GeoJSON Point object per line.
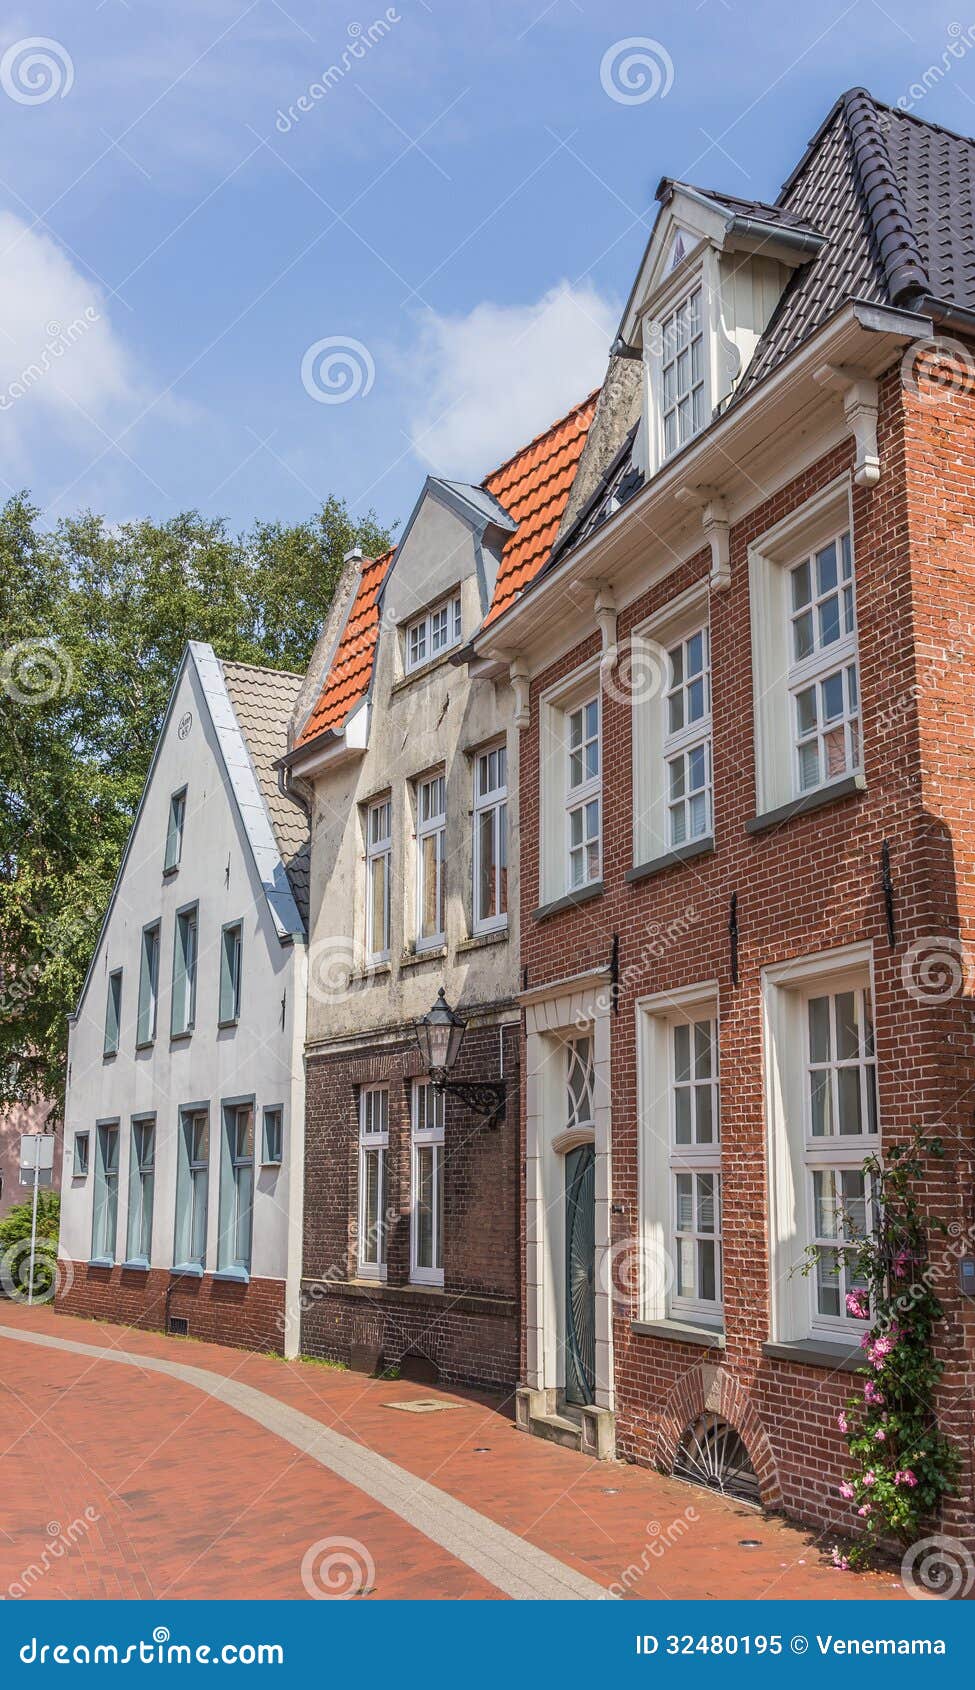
{"type": "Point", "coordinates": [712, 1454]}
{"type": "Point", "coordinates": [179, 1325]}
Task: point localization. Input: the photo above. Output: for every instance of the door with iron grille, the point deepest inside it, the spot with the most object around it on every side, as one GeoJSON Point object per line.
{"type": "Point", "coordinates": [580, 1275]}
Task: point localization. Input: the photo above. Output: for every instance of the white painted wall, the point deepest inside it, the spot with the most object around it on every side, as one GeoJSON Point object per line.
{"type": "Point", "coordinates": [260, 1057]}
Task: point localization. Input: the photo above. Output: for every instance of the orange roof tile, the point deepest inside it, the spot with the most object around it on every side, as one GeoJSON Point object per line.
{"type": "Point", "coordinates": [347, 681]}
{"type": "Point", "coordinates": [533, 487]}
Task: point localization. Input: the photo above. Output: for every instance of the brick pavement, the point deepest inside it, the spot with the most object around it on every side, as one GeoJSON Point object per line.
{"type": "Point", "coordinates": [192, 1498]}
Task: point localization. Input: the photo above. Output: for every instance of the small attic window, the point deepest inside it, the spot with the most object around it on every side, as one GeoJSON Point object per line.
{"type": "Point", "coordinates": [680, 372]}
{"type": "Point", "coordinates": [678, 252]}
{"type": "Point", "coordinates": [434, 632]}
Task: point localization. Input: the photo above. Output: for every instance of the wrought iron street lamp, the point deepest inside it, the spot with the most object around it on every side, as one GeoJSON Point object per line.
{"type": "Point", "coordinates": [440, 1035]}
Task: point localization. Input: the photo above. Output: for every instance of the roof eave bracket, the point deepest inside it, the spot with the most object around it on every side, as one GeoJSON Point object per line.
{"type": "Point", "coordinates": [860, 398]}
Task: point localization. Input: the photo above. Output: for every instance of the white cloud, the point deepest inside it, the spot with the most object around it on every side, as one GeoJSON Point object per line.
{"type": "Point", "coordinates": [62, 366]}
{"type": "Point", "coordinates": [488, 382]}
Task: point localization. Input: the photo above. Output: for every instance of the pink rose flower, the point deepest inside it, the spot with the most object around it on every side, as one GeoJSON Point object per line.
{"type": "Point", "coordinates": [857, 1305]}
{"type": "Point", "coordinates": [880, 1436]}
{"type": "Point", "coordinates": [865, 1510]}
{"type": "Point", "coordinates": [840, 1562]}
{"type": "Point", "coordinates": [846, 1491]}
{"type": "Point", "coordinates": [872, 1395]}
{"type": "Point", "coordinates": [904, 1476]}
{"type": "Point", "coordinates": [842, 1423]}
{"type": "Point", "coordinates": [869, 1479]}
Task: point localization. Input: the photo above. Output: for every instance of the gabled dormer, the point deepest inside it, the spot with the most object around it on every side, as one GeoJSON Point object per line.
{"type": "Point", "coordinates": [714, 270]}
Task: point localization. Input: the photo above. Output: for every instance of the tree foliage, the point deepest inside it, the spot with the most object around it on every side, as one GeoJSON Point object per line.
{"type": "Point", "coordinates": [93, 622]}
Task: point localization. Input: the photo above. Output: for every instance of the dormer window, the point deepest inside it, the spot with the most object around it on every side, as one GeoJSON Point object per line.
{"type": "Point", "coordinates": [432, 633]}
{"type": "Point", "coordinates": [682, 378]}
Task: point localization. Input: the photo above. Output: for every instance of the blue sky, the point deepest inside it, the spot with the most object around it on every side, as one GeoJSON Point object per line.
{"type": "Point", "coordinates": [458, 214]}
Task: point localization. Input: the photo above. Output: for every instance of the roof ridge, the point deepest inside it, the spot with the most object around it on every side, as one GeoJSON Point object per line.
{"type": "Point", "coordinates": [891, 222]}
{"type": "Point", "coordinates": [538, 438]}
{"type": "Point", "coordinates": [258, 668]}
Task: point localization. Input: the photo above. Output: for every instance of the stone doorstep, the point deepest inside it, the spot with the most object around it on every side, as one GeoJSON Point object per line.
{"type": "Point", "coordinates": [590, 1430]}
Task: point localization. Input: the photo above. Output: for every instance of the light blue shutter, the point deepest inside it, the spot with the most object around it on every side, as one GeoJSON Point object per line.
{"type": "Point", "coordinates": [229, 966]}
{"type": "Point", "coordinates": [112, 1012]}
{"type": "Point", "coordinates": [178, 1018]}
{"type": "Point", "coordinates": [148, 985]}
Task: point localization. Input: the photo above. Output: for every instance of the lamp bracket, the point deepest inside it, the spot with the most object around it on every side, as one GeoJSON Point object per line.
{"type": "Point", "coordinates": [486, 1098]}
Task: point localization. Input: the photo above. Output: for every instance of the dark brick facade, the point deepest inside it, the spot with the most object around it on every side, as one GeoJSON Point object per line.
{"type": "Point", "coordinates": [810, 885]}
{"type": "Point", "coordinates": [218, 1311]}
{"type": "Point", "coordinates": [468, 1330]}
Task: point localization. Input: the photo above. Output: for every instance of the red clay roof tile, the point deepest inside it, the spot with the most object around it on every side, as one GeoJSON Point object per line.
{"type": "Point", "coordinates": [533, 487]}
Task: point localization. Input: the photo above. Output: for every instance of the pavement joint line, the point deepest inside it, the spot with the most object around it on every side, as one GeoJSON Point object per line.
{"type": "Point", "coordinates": [518, 1568]}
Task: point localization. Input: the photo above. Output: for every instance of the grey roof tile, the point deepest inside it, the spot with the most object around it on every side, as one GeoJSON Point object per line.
{"type": "Point", "coordinates": [263, 700]}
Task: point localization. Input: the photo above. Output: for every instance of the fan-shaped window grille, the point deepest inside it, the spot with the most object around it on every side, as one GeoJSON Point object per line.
{"type": "Point", "coordinates": [712, 1454]}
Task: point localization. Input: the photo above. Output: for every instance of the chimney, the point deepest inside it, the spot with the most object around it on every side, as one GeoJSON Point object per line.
{"type": "Point", "coordinates": [353, 556]}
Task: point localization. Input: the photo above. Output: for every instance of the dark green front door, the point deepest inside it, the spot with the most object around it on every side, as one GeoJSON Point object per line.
{"type": "Point", "coordinates": [580, 1263]}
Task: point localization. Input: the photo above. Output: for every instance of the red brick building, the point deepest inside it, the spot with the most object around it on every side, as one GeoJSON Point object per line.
{"type": "Point", "coordinates": [748, 820]}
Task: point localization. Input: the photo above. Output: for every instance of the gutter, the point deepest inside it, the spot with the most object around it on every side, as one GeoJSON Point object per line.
{"type": "Point", "coordinates": [951, 316]}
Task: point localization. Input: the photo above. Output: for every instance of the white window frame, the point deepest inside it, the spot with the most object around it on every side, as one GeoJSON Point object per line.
{"type": "Point", "coordinates": [673, 340]}
{"type": "Point", "coordinates": [660, 1158]}
{"type": "Point", "coordinates": [775, 676]}
{"type": "Point", "coordinates": [491, 802]}
{"type": "Point", "coordinates": [651, 644]}
{"type": "Point", "coordinates": [268, 1159]}
{"type": "Point", "coordinates": [427, 1116]}
{"type": "Point", "coordinates": [681, 742]}
{"type": "Point", "coordinates": [697, 271]}
{"type": "Point", "coordinates": [794, 1154]}
{"type": "Point", "coordinates": [838, 660]}
{"type": "Point", "coordinates": [580, 795]}
{"type": "Point", "coordinates": [555, 708]}
{"type": "Point", "coordinates": [690, 1161]}
{"type": "Point", "coordinates": [175, 828]}
{"type": "Point", "coordinates": [433, 826]}
{"type": "Point", "coordinates": [373, 1141]}
{"type": "Point", "coordinates": [436, 630]}
{"type": "Point", "coordinates": [379, 850]}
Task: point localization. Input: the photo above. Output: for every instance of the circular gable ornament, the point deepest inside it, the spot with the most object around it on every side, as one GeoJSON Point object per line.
{"type": "Point", "coordinates": [185, 724]}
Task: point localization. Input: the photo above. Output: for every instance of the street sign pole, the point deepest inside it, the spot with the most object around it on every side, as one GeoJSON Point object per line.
{"type": "Point", "coordinates": [33, 1231]}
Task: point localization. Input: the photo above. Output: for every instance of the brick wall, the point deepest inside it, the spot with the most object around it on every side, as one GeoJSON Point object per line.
{"type": "Point", "coordinates": [249, 1317]}
{"type": "Point", "coordinates": [810, 885]}
{"type": "Point", "coordinates": [467, 1330]}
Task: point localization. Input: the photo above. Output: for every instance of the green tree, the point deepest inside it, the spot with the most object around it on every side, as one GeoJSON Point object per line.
{"type": "Point", "coordinates": [15, 1248]}
{"type": "Point", "coordinates": [93, 622]}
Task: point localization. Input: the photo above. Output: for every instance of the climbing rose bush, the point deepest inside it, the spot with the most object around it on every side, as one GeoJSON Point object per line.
{"type": "Point", "coordinates": [901, 1463]}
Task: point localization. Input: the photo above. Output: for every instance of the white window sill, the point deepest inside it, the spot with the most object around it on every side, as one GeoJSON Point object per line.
{"type": "Point", "coordinates": [580, 895]}
{"type": "Point", "coordinates": [840, 1356]}
{"type": "Point", "coordinates": [672, 859]}
{"type": "Point", "coordinates": [849, 786]}
{"type": "Point", "coordinates": [681, 1331]}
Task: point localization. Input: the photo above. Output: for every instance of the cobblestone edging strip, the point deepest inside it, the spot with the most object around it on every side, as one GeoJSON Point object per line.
{"type": "Point", "coordinates": [517, 1568]}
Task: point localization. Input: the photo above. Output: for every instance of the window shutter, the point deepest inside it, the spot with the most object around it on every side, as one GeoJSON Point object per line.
{"type": "Point", "coordinates": [147, 985]}
{"type": "Point", "coordinates": [178, 1021]}
{"type": "Point", "coordinates": [228, 972]}
{"type": "Point", "coordinates": [112, 1013]}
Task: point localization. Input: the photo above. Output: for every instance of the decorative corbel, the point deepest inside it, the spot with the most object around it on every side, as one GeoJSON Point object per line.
{"type": "Point", "coordinates": [717, 529]}
{"type": "Point", "coordinates": [860, 408]}
{"type": "Point", "coordinates": [521, 683]}
{"type": "Point", "coordinates": [604, 610]}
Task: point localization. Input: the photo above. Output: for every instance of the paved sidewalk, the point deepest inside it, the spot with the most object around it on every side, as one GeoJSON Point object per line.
{"type": "Point", "coordinates": [213, 1472]}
